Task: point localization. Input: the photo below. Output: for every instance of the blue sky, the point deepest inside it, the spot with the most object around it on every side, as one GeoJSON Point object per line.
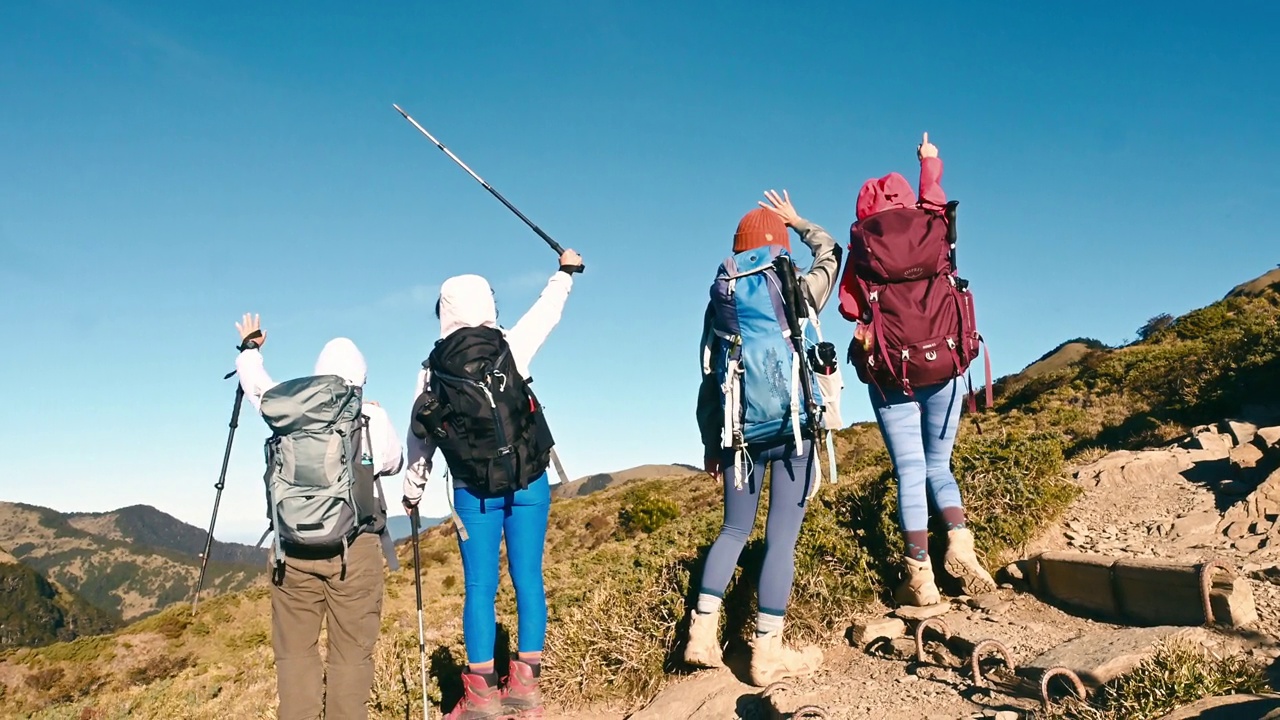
{"type": "Point", "coordinates": [168, 166]}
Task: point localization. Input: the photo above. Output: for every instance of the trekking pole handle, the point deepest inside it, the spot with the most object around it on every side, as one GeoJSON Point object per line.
{"type": "Point", "coordinates": [545, 237]}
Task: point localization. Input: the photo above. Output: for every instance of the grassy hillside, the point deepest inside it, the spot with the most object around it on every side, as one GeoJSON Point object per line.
{"type": "Point", "coordinates": [109, 565]}
{"type": "Point", "coordinates": [620, 561]}
{"type": "Point", "coordinates": [36, 612]}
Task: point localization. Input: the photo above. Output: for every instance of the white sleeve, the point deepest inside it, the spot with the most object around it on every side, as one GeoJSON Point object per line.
{"type": "Point", "coordinates": [388, 457]}
{"type": "Point", "coordinates": [253, 376]}
{"type": "Point", "coordinates": [531, 331]}
{"type": "Point", "coordinates": [420, 452]}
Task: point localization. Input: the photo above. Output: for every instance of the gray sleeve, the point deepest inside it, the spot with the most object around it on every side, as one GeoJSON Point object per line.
{"type": "Point", "coordinates": [822, 275]}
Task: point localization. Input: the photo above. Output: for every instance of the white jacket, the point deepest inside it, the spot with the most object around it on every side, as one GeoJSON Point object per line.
{"type": "Point", "coordinates": [467, 301]}
{"type": "Point", "coordinates": [339, 357]}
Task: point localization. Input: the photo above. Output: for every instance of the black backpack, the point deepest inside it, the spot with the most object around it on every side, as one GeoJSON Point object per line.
{"type": "Point", "coordinates": [482, 414]}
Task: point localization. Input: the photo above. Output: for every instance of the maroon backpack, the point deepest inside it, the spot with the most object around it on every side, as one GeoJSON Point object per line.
{"type": "Point", "coordinates": [920, 313]}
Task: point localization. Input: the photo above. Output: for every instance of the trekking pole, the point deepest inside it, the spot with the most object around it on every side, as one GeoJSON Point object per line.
{"type": "Point", "coordinates": [554, 245]}
{"type": "Point", "coordinates": [217, 498]}
{"type": "Point", "coordinates": [417, 587]}
{"type": "Point", "coordinates": [792, 299]}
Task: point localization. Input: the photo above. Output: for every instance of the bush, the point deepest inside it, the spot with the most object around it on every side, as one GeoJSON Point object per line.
{"type": "Point", "coordinates": [1154, 325]}
{"type": "Point", "coordinates": [646, 512]}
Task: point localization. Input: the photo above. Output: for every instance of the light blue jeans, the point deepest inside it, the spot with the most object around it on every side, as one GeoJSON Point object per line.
{"type": "Point", "coordinates": [920, 434]}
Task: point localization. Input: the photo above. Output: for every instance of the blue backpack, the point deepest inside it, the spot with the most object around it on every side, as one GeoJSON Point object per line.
{"type": "Point", "coordinates": [765, 336]}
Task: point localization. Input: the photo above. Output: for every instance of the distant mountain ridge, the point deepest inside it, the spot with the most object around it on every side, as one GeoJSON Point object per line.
{"type": "Point", "coordinates": [37, 612]}
{"type": "Point", "coordinates": [601, 481]}
{"type": "Point", "coordinates": [128, 563]}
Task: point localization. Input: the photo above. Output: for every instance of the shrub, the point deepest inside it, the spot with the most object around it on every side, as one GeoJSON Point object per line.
{"type": "Point", "coordinates": [645, 512]}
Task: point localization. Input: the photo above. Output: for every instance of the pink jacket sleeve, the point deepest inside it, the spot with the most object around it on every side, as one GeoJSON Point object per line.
{"type": "Point", "coordinates": [931, 182]}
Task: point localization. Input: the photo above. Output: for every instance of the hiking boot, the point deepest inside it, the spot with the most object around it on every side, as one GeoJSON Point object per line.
{"type": "Point", "coordinates": [480, 701]}
{"type": "Point", "coordinates": [961, 562]}
{"type": "Point", "coordinates": [918, 588]}
{"type": "Point", "coordinates": [772, 661]}
{"type": "Point", "coordinates": [522, 696]}
{"type": "Point", "coordinates": [703, 649]}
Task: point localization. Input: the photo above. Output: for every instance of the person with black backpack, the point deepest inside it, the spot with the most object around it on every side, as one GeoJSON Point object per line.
{"type": "Point", "coordinates": [769, 396]}
{"type": "Point", "coordinates": [915, 337]}
{"type": "Point", "coordinates": [329, 521]}
{"type": "Point", "coordinates": [474, 403]}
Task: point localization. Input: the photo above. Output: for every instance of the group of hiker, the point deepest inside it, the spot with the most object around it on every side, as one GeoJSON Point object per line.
{"type": "Point", "coordinates": [768, 401]}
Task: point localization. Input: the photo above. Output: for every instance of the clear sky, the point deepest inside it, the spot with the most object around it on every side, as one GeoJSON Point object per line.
{"type": "Point", "coordinates": [169, 166]}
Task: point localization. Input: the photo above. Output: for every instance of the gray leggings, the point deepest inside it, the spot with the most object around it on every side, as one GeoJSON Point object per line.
{"type": "Point", "coordinates": [788, 487]}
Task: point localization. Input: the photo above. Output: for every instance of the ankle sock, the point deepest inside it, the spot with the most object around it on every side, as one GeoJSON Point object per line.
{"type": "Point", "coordinates": [954, 517]}
{"type": "Point", "coordinates": [767, 623]}
{"type": "Point", "coordinates": [917, 544]}
{"type": "Point", "coordinates": [708, 604]}
{"type": "Point", "coordinates": [534, 661]}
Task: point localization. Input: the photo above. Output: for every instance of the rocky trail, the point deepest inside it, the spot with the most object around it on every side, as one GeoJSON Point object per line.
{"type": "Point", "coordinates": [1123, 571]}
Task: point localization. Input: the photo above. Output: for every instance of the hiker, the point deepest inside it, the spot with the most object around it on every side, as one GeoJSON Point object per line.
{"type": "Point", "coordinates": [326, 555]}
{"type": "Point", "coordinates": [474, 403]}
{"type": "Point", "coordinates": [747, 366]}
{"type": "Point", "coordinates": [913, 341]}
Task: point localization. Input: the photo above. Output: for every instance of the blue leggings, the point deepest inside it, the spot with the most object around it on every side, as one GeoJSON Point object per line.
{"type": "Point", "coordinates": [920, 434]}
{"type": "Point", "coordinates": [789, 485]}
{"type": "Point", "coordinates": [522, 516]}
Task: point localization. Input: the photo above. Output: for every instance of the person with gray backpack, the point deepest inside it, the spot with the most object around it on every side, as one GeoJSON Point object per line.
{"type": "Point", "coordinates": [328, 448]}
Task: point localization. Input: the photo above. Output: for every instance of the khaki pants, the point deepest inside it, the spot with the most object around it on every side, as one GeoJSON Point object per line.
{"type": "Point", "coordinates": [310, 592]}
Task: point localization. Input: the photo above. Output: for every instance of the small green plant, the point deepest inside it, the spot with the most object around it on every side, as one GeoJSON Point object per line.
{"type": "Point", "coordinates": [645, 512]}
{"type": "Point", "coordinates": [1179, 673]}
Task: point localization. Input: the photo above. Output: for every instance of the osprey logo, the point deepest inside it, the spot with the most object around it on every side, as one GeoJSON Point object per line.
{"type": "Point", "coordinates": [913, 272]}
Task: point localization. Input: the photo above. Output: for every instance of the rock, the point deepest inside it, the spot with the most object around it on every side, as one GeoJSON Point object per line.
{"type": "Point", "coordinates": [1251, 544]}
{"type": "Point", "coordinates": [1014, 570]}
{"type": "Point", "coordinates": [1006, 715]}
{"type": "Point", "coordinates": [1223, 707]}
{"type": "Point", "coordinates": [867, 632]}
{"type": "Point", "coordinates": [1237, 530]}
{"type": "Point", "coordinates": [1245, 458]}
{"type": "Point", "coordinates": [896, 649]}
{"type": "Point", "coordinates": [1103, 656]}
{"type": "Point", "coordinates": [911, 612]}
{"type": "Point", "coordinates": [1232, 601]}
{"type": "Point", "coordinates": [1242, 433]}
{"type": "Point", "coordinates": [1267, 438]}
{"type": "Point", "coordinates": [1199, 523]}
{"type": "Point", "coordinates": [708, 695]}
{"type": "Point", "coordinates": [1078, 527]}
{"type": "Point", "coordinates": [1211, 442]}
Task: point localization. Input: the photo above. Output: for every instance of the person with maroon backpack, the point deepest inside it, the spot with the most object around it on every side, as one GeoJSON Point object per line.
{"type": "Point", "coordinates": [915, 338]}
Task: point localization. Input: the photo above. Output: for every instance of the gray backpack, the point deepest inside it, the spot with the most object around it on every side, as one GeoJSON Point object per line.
{"type": "Point", "coordinates": [320, 480]}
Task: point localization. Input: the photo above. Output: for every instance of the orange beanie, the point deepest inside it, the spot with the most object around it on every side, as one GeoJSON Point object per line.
{"type": "Point", "coordinates": [758, 228]}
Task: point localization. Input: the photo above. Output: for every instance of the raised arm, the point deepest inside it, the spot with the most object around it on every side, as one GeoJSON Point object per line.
{"type": "Point", "coordinates": [930, 174]}
{"type": "Point", "coordinates": [531, 331]}
{"type": "Point", "coordinates": [820, 279]}
{"type": "Point", "coordinates": [250, 367]}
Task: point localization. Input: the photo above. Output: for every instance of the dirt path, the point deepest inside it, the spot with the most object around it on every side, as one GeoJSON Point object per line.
{"type": "Point", "coordinates": [1166, 503]}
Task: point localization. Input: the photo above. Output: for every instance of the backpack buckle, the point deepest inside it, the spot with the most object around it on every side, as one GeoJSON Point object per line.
{"type": "Point", "coordinates": [873, 296]}
{"type": "Point", "coordinates": [906, 354]}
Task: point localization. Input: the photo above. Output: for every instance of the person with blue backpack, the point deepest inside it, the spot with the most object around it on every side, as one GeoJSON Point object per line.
{"type": "Point", "coordinates": [769, 395]}
{"type": "Point", "coordinates": [327, 450]}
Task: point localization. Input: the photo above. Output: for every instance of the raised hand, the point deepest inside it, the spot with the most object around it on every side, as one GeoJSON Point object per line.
{"type": "Point", "coordinates": [250, 328]}
{"type": "Point", "coordinates": [926, 149]}
{"type": "Point", "coordinates": [781, 206]}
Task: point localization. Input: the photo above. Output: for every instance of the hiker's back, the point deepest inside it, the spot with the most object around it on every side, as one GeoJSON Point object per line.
{"type": "Point", "coordinates": [483, 414]}
{"type": "Point", "coordinates": [320, 471]}
{"type": "Point", "coordinates": [918, 312]}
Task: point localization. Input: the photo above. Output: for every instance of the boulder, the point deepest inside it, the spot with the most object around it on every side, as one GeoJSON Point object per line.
{"type": "Point", "coordinates": [1267, 438]}
{"type": "Point", "coordinates": [707, 695]}
{"type": "Point", "coordinates": [1242, 433]}
{"type": "Point", "coordinates": [1210, 441]}
{"type": "Point", "coordinates": [912, 612]}
{"type": "Point", "coordinates": [1097, 658]}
